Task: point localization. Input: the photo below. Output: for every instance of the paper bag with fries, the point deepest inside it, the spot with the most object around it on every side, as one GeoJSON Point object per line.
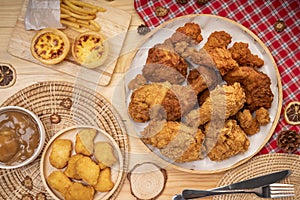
{"type": "Point", "coordinates": [42, 13]}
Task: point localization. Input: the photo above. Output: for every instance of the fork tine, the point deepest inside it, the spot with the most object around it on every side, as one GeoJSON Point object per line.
{"type": "Point", "coordinates": [279, 190]}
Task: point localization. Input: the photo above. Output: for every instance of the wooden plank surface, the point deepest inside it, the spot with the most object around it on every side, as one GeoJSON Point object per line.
{"type": "Point", "coordinates": [114, 26]}
{"type": "Point", "coordinates": [29, 73]}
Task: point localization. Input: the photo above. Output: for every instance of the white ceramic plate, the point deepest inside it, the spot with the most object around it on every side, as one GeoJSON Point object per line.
{"type": "Point", "coordinates": [209, 24]}
{"type": "Point", "coordinates": [70, 133]}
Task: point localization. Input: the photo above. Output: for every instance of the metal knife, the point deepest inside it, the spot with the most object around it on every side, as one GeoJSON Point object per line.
{"type": "Point", "coordinates": [257, 181]}
{"type": "Point", "coordinates": [246, 184]}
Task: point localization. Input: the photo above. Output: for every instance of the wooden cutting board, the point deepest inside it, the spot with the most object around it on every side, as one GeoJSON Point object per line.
{"type": "Point", "coordinates": [114, 25]}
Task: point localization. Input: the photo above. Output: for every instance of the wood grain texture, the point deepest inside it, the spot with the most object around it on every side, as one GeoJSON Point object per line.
{"type": "Point", "coordinates": [114, 26]}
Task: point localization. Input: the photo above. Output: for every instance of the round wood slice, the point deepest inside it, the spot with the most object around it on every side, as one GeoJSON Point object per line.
{"type": "Point", "coordinates": [147, 181]}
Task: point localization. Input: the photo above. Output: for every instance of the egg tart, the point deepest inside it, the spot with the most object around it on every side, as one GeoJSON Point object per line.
{"type": "Point", "coordinates": [50, 46]}
{"type": "Point", "coordinates": [90, 49]}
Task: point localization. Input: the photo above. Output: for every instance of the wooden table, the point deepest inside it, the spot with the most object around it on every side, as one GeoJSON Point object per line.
{"type": "Point", "coordinates": [27, 75]}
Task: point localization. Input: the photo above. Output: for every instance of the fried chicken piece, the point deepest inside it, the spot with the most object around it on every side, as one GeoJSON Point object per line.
{"type": "Point", "coordinates": [156, 99]}
{"type": "Point", "coordinates": [138, 81]}
{"type": "Point", "coordinates": [175, 140]}
{"type": "Point", "coordinates": [222, 60]}
{"type": "Point", "coordinates": [225, 142]}
{"type": "Point", "coordinates": [242, 54]}
{"type": "Point", "coordinates": [256, 84]}
{"type": "Point", "coordinates": [144, 98]}
{"type": "Point", "coordinates": [217, 39]}
{"type": "Point", "coordinates": [223, 102]}
{"type": "Point", "coordinates": [203, 77]}
{"type": "Point", "coordinates": [249, 124]}
{"type": "Point", "coordinates": [190, 32]}
{"type": "Point", "coordinates": [262, 116]}
{"type": "Point", "coordinates": [164, 64]}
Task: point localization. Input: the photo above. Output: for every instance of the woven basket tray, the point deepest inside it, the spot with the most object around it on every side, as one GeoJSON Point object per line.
{"type": "Point", "coordinates": [88, 108]}
{"type": "Point", "coordinates": [261, 165]}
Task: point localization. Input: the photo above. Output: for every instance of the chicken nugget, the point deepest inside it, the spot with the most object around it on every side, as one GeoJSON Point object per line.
{"type": "Point", "coordinates": [61, 152]}
{"type": "Point", "coordinates": [104, 153]}
{"type": "Point", "coordinates": [105, 183]}
{"type": "Point", "coordinates": [87, 170]}
{"type": "Point", "coordinates": [71, 167]}
{"type": "Point", "coordinates": [78, 191]}
{"type": "Point", "coordinates": [85, 141]}
{"type": "Point", "coordinates": [59, 181]}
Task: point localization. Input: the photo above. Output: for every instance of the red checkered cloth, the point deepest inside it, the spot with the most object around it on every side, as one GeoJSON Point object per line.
{"type": "Point", "coordinates": [259, 16]}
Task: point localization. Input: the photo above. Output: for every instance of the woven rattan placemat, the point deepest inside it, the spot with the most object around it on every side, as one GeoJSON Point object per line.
{"type": "Point", "coordinates": [44, 99]}
{"type": "Point", "coordinates": [261, 165]}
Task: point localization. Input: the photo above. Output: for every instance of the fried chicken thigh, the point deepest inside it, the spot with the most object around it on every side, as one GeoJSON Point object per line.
{"type": "Point", "coordinates": [175, 140]}
{"type": "Point", "coordinates": [225, 142]}
{"type": "Point", "coordinates": [223, 102]}
{"type": "Point", "coordinates": [242, 54]}
{"type": "Point", "coordinates": [159, 100]}
{"type": "Point", "coordinates": [164, 64]}
{"type": "Point", "coordinates": [256, 84]}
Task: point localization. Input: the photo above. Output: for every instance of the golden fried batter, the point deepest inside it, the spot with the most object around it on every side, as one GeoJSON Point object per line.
{"type": "Point", "coordinates": [105, 183]}
{"type": "Point", "coordinates": [262, 116]}
{"type": "Point", "coordinates": [175, 140]}
{"type": "Point", "coordinates": [242, 54]}
{"type": "Point", "coordinates": [87, 170]}
{"type": "Point", "coordinates": [223, 102]}
{"type": "Point", "coordinates": [256, 84]}
{"type": "Point", "coordinates": [222, 60]}
{"type": "Point", "coordinates": [249, 124]}
{"type": "Point", "coordinates": [217, 39]}
{"type": "Point", "coordinates": [156, 99]}
{"type": "Point", "coordinates": [203, 77]}
{"type": "Point", "coordinates": [190, 32]}
{"type": "Point", "coordinates": [229, 141]}
{"type": "Point", "coordinates": [60, 153]}
{"type": "Point", "coordinates": [59, 181]}
{"type": "Point", "coordinates": [71, 167]}
{"type": "Point", "coordinates": [78, 191]}
{"type": "Point", "coordinates": [164, 64]}
{"type": "Point", "coordinates": [85, 141]}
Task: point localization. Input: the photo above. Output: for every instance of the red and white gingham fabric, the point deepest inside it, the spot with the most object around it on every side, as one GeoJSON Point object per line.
{"type": "Point", "coordinates": [259, 16]}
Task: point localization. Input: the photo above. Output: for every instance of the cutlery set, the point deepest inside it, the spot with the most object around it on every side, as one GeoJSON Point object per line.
{"type": "Point", "coordinates": [263, 186]}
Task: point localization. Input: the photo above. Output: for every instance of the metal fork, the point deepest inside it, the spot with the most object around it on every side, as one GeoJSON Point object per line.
{"type": "Point", "coordinates": [275, 190]}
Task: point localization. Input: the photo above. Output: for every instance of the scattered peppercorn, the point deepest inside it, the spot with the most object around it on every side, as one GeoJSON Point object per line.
{"type": "Point", "coordinates": [279, 26]}
{"type": "Point", "coordinates": [40, 196]}
{"type": "Point", "coordinates": [27, 197]}
{"type": "Point", "coordinates": [55, 118]}
{"type": "Point", "coordinates": [143, 29]}
{"type": "Point", "coordinates": [161, 11]}
{"type": "Point", "coordinates": [66, 103]}
{"type": "Point", "coordinates": [27, 182]}
{"type": "Point", "coordinates": [202, 1]}
{"type": "Point", "coordinates": [182, 1]}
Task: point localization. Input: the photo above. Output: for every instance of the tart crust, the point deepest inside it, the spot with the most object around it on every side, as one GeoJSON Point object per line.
{"type": "Point", "coordinates": [50, 46]}
{"type": "Point", "coordinates": [90, 49]}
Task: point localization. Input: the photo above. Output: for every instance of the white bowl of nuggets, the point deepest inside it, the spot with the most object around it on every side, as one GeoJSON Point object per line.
{"type": "Point", "coordinates": [81, 161]}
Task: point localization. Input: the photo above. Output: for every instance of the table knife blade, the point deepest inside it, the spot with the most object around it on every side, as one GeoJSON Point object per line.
{"type": "Point", "coordinates": [257, 181]}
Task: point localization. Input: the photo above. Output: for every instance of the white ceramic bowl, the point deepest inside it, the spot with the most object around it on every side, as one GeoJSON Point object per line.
{"type": "Point", "coordinates": [41, 132]}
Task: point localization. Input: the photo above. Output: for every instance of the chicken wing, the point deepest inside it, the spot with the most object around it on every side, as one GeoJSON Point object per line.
{"type": "Point", "coordinates": [256, 84]}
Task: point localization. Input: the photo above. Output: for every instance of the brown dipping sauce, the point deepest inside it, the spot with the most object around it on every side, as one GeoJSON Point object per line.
{"type": "Point", "coordinates": [19, 137]}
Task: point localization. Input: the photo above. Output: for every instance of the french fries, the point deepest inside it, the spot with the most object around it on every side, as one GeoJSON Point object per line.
{"type": "Point", "coordinates": [79, 15]}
